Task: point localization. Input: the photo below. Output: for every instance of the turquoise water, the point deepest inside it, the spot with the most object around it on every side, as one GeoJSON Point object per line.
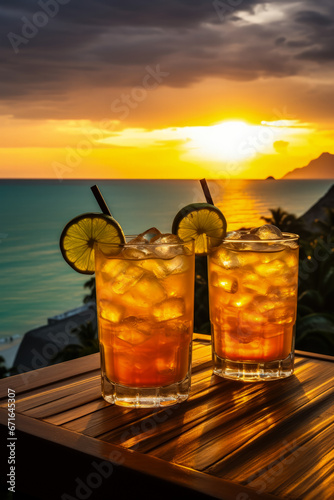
{"type": "Point", "coordinates": [35, 281]}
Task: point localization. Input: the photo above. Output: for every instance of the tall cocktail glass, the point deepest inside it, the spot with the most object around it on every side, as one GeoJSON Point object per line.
{"type": "Point", "coordinates": [145, 299]}
{"type": "Point", "coordinates": [253, 301]}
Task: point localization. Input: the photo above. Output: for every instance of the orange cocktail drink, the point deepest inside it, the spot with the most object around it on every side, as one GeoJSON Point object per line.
{"type": "Point", "coordinates": [253, 297]}
{"type": "Point", "coordinates": [145, 294]}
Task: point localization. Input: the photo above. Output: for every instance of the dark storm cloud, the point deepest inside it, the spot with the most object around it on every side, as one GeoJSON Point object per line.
{"type": "Point", "coordinates": [318, 35]}
{"type": "Point", "coordinates": [320, 55]}
{"type": "Point", "coordinates": [109, 43]}
{"type": "Point", "coordinates": [313, 18]}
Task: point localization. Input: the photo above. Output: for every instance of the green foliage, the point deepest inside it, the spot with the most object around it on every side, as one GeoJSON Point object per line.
{"type": "Point", "coordinates": [3, 369]}
{"type": "Point", "coordinates": [326, 224]}
{"type": "Point", "coordinates": [91, 296]}
{"type": "Point", "coordinates": [286, 222]}
{"type": "Point", "coordinates": [315, 333]}
{"type": "Point", "coordinates": [88, 344]}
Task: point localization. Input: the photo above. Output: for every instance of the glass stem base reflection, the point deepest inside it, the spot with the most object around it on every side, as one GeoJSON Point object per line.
{"type": "Point", "coordinates": [248, 371]}
{"type": "Point", "coordinates": [145, 397]}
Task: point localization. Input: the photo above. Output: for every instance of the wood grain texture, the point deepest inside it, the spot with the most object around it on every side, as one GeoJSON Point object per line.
{"type": "Point", "coordinates": [274, 438]}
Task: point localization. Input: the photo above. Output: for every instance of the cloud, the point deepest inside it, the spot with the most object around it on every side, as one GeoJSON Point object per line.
{"type": "Point", "coordinates": [89, 44]}
{"type": "Point", "coordinates": [225, 141]}
{"type": "Point", "coordinates": [312, 18]}
{"type": "Point", "coordinates": [324, 54]}
{"type": "Point", "coordinates": [281, 146]}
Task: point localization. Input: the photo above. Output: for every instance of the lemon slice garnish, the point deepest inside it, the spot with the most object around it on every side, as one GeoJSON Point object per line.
{"type": "Point", "coordinates": [80, 235]}
{"type": "Point", "coordinates": [201, 222]}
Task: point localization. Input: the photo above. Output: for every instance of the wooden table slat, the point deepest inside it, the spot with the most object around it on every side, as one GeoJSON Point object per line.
{"type": "Point", "coordinates": [88, 410]}
{"type": "Point", "coordinates": [56, 374]}
{"type": "Point", "coordinates": [34, 400]}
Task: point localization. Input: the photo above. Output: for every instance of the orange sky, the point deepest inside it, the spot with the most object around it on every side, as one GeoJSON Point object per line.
{"type": "Point", "coordinates": [246, 94]}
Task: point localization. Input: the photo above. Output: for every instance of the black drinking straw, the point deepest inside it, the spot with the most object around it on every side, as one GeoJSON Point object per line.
{"type": "Point", "coordinates": [99, 198]}
{"type": "Point", "coordinates": [206, 191]}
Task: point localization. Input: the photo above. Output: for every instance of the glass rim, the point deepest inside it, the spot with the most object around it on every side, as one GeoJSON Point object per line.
{"type": "Point", "coordinates": [143, 243]}
{"type": "Point", "coordinates": [286, 237]}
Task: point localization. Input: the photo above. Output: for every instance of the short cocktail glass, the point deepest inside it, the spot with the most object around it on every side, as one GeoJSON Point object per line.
{"type": "Point", "coordinates": [253, 302]}
{"type": "Point", "coordinates": [145, 300]}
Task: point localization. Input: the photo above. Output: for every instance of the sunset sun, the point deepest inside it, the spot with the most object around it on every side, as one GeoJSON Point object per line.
{"type": "Point", "coordinates": [224, 141]}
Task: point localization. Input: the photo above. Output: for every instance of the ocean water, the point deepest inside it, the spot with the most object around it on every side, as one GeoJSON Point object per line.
{"type": "Point", "coordinates": [35, 281]}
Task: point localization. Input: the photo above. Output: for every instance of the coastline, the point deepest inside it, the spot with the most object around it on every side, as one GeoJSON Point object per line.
{"type": "Point", "coordinates": [8, 351]}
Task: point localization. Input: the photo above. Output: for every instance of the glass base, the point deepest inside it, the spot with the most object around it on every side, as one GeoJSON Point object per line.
{"type": "Point", "coordinates": [145, 397]}
{"type": "Point", "coordinates": [252, 372]}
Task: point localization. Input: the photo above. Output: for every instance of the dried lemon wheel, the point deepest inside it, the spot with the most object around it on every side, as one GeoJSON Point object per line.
{"type": "Point", "coordinates": [80, 235]}
{"type": "Point", "coordinates": [202, 222]}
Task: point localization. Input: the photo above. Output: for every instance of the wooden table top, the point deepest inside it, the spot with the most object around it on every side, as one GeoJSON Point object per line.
{"type": "Point", "coordinates": [230, 440]}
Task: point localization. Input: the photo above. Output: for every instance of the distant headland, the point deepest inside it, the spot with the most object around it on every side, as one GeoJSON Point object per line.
{"type": "Point", "coordinates": [320, 168]}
